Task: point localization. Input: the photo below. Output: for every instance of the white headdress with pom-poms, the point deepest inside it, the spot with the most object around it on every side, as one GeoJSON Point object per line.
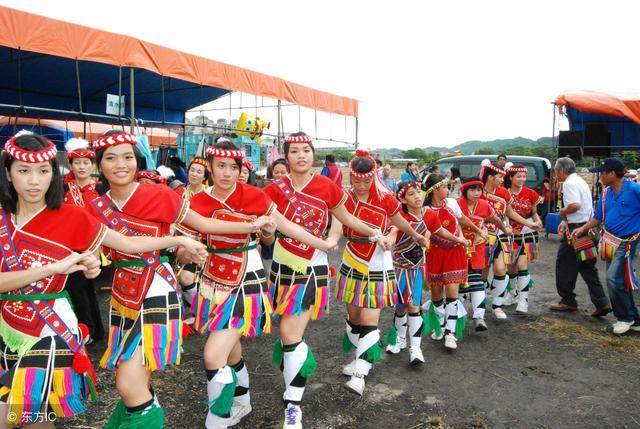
{"type": "Point", "coordinates": [76, 143]}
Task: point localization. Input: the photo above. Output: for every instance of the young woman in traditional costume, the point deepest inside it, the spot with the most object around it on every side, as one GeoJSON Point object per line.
{"type": "Point", "coordinates": [246, 173]}
{"type": "Point", "coordinates": [366, 281]}
{"type": "Point", "coordinates": [145, 331]}
{"type": "Point", "coordinates": [499, 244]}
{"type": "Point", "coordinates": [44, 367]}
{"type": "Point", "coordinates": [411, 273]}
{"type": "Point", "coordinates": [481, 213]}
{"type": "Point", "coordinates": [446, 263]}
{"type": "Point", "coordinates": [524, 201]}
{"type": "Point", "coordinates": [299, 278]}
{"type": "Point", "coordinates": [80, 190]}
{"type": "Point", "coordinates": [232, 301]}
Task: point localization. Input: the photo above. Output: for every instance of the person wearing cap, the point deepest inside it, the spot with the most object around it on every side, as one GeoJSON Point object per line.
{"type": "Point", "coordinates": [573, 257]}
{"type": "Point", "coordinates": [618, 211]}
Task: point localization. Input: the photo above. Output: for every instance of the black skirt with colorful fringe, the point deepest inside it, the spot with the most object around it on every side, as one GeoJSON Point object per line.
{"type": "Point", "coordinates": [293, 293]}
{"type": "Point", "coordinates": [157, 329]}
{"type": "Point", "coordinates": [375, 289]}
{"type": "Point", "coordinates": [41, 384]}
{"type": "Point", "coordinates": [246, 308]}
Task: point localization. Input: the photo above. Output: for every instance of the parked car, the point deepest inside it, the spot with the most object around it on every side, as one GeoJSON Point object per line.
{"type": "Point", "coordinates": [469, 165]}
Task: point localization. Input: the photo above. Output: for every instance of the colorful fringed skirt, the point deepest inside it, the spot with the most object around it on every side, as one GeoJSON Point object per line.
{"type": "Point", "coordinates": [526, 244]}
{"type": "Point", "coordinates": [499, 246]}
{"type": "Point", "coordinates": [246, 307]}
{"type": "Point", "coordinates": [293, 293]}
{"type": "Point", "coordinates": [446, 266]}
{"type": "Point", "coordinates": [367, 285]}
{"type": "Point", "coordinates": [41, 384]}
{"type": "Point", "coordinates": [156, 329]}
{"type": "Point", "coordinates": [410, 284]}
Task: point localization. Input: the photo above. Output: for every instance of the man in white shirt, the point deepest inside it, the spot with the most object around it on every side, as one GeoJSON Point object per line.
{"type": "Point", "coordinates": [577, 210]}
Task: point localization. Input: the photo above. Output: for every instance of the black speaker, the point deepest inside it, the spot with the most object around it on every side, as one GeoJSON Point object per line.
{"type": "Point", "coordinates": [597, 140]}
{"type": "Point", "coordinates": [570, 144]}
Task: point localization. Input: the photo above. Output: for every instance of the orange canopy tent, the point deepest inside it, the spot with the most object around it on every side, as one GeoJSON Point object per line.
{"type": "Point", "coordinates": [623, 104]}
{"type": "Point", "coordinates": [60, 70]}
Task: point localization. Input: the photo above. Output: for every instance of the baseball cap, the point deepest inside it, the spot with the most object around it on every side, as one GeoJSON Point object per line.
{"type": "Point", "coordinates": [608, 165]}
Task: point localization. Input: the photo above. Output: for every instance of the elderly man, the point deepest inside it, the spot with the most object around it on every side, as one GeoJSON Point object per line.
{"type": "Point", "coordinates": [577, 211]}
{"type": "Point", "coordinates": [388, 179]}
{"type": "Point", "coordinates": [618, 209]}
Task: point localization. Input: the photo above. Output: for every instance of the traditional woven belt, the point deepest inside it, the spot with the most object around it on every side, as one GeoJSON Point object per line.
{"type": "Point", "coordinates": [138, 263]}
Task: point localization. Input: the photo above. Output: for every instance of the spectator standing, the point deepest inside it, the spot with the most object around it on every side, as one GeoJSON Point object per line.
{"type": "Point", "coordinates": [389, 180]}
{"type": "Point", "coordinates": [331, 170]}
{"type": "Point", "coordinates": [410, 173]}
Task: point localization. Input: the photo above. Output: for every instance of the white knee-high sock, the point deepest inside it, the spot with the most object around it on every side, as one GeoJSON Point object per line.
{"type": "Point", "coordinates": [297, 364]}
{"type": "Point", "coordinates": [524, 283]}
{"type": "Point", "coordinates": [241, 395]}
{"type": "Point", "coordinates": [415, 329]}
{"type": "Point", "coordinates": [477, 303]}
{"type": "Point", "coordinates": [499, 290]}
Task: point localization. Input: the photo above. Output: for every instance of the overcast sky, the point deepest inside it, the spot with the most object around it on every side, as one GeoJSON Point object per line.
{"type": "Point", "coordinates": [425, 73]}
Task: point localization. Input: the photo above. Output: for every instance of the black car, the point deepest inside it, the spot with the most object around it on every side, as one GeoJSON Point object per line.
{"type": "Point", "coordinates": [469, 165]}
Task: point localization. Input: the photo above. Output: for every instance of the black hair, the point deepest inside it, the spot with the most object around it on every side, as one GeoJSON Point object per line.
{"type": "Point", "coordinates": [330, 158]}
{"type": "Point", "coordinates": [225, 143]}
{"type": "Point", "coordinates": [378, 162]}
{"type": "Point", "coordinates": [489, 172]}
{"type": "Point", "coordinates": [279, 161]}
{"type": "Point", "coordinates": [455, 172]}
{"type": "Point", "coordinates": [401, 185]}
{"type": "Point", "coordinates": [509, 176]}
{"type": "Point", "coordinates": [286, 146]}
{"type": "Point", "coordinates": [409, 164]}
{"type": "Point", "coordinates": [502, 155]}
{"type": "Point", "coordinates": [207, 173]}
{"type": "Point", "coordinates": [103, 184]}
{"type": "Point", "coordinates": [428, 182]}
{"type": "Point", "coordinates": [362, 164]}
{"type": "Point", "coordinates": [8, 195]}
{"type": "Point", "coordinates": [177, 161]}
{"type": "Point", "coordinates": [467, 180]}
{"type": "Point", "coordinates": [433, 168]}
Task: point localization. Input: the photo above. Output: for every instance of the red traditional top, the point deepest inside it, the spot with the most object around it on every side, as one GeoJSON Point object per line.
{"type": "Point", "coordinates": [149, 211]}
{"type": "Point", "coordinates": [448, 215]}
{"type": "Point", "coordinates": [499, 201]}
{"type": "Point", "coordinates": [49, 236]}
{"type": "Point", "coordinates": [80, 195]}
{"type": "Point", "coordinates": [375, 212]}
{"type": "Point", "coordinates": [244, 204]}
{"type": "Point", "coordinates": [481, 211]}
{"type": "Point", "coordinates": [310, 207]}
{"type": "Point", "coordinates": [406, 252]}
{"type": "Point", "coordinates": [522, 203]}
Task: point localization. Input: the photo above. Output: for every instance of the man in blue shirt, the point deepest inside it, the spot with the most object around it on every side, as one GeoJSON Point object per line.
{"type": "Point", "coordinates": [388, 179]}
{"type": "Point", "coordinates": [619, 209]}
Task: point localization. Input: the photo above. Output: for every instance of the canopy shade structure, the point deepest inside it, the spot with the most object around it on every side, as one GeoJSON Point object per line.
{"type": "Point", "coordinates": [61, 131]}
{"type": "Point", "coordinates": [55, 69]}
{"type": "Point", "coordinates": [618, 112]}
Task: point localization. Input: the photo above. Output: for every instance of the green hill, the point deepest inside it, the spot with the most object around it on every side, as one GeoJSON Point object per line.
{"type": "Point", "coordinates": [470, 147]}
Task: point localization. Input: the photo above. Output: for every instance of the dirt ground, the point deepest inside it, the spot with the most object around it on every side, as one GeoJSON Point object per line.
{"type": "Point", "coordinates": [543, 370]}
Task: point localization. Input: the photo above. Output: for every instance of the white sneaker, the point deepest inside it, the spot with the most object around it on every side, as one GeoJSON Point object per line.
{"type": "Point", "coordinates": [238, 412]}
{"type": "Point", "coordinates": [355, 384]}
{"type": "Point", "coordinates": [523, 307]}
{"type": "Point", "coordinates": [215, 422]}
{"type": "Point", "coordinates": [499, 313]}
{"type": "Point", "coordinates": [415, 355]}
{"type": "Point", "coordinates": [480, 324]}
{"type": "Point", "coordinates": [292, 417]}
{"type": "Point", "coordinates": [621, 327]}
{"type": "Point", "coordinates": [437, 337]}
{"type": "Point", "coordinates": [401, 344]}
{"type": "Point", "coordinates": [450, 342]}
{"type": "Point", "coordinates": [348, 369]}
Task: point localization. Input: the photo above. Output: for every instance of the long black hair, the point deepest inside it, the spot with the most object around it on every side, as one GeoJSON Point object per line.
{"type": "Point", "coordinates": [509, 176]}
{"type": "Point", "coordinates": [490, 172]}
{"type": "Point", "coordinates": [103, 184]}
{"type": "Point", "coordinates": [401, 186]}
{"type": "Point", "coordinates": [428, 182]}
{"type": "Point", "coordinates": [8, 195]}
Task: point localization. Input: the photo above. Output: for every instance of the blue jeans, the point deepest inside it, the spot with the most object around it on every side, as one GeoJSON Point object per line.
{"type": "Point", "coordinates": [624, 308]}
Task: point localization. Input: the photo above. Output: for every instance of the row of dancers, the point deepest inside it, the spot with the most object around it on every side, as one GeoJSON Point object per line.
{"type": "Point", "coordinates": [396, 245]}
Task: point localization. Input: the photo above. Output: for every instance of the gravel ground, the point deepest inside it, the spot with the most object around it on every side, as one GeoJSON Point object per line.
{"type": "Point", "coordinates": [543, 370]}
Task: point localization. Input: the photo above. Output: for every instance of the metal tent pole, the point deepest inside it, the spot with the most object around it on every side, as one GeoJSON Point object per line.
{"type": "Point", "coordinates": [356, 133]}
{"type": "Point", "coordinates": [279, 129]}
{"type": "Point", "coordinates": [132, 100]}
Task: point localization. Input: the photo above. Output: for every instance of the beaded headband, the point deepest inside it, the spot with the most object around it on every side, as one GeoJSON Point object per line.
{"type": "Point", "coordinates": [471, 184]}
{"type": "Point", "coordinates": [360, 153]}
{"type": "Point", "coordinates": [247, 164]}
{"type": "Point", "coordinates": [30, 156]}
{"type": "Point", "coordinates": [199, 161]}
{"type": "Point", "coordinates": [298, 139]}
{"type": "Point", "coordinates": [441, 183]}
{"type": "Point", "coordinates": [514, 170]}
{"type": "Point", "coordinates": [78, 148]}
{"type": "Point", "coordinates": [214, 152]}
{"type": "Point", "coordinates": [150, 175]}
{"type": "Point", "coordinates": [405, 188]}
{"type": "Point", "coordinates": [488, 164]}
{"type": "Point", "coordinates": [114, 140]}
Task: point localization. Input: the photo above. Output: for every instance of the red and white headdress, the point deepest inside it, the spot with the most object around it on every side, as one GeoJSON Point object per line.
{"type": "Point", "coordinates": [114, 140]}
{"type": "Point", "coordinates": [486, 164]}
{"type": "Point", "coordinates": [511, 169]}
{"type": "Point", "coordinates": [151, 175]}
{"type": "Point", "coordinates": [31, 156]}
{"type": "Point", "coordinates": [380, 188]}
{"type": "Point", "coordinates": [200, 161]}
{"type": "Point", "coordinates": [78, 148]}
{"type": "Point", "coordinates": [247, 164]}
{"type": "Point", "coordinates": [215, 152]}
{"type": "Point", "coordinates": [405, 188]}
{"type": "Point", "coordinates": [435, 186]}
{"type": "Point", "coordinates": [470, 184]}
{"type": "Point", "coordinates": [298, 138]}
